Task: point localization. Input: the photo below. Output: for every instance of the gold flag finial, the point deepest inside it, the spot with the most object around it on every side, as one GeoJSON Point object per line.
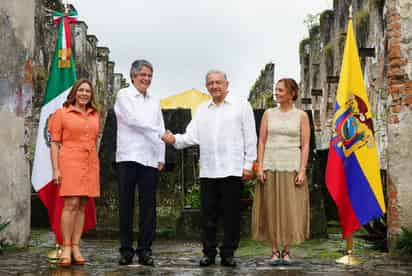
{"type": "Point", "coordinates": [350, 12]}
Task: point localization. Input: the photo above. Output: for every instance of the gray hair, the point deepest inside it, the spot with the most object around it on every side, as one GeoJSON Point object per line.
{"type": "Point", "coordinates": [214, 71]}
{"type": "Point", "coordinates": [137, 66]}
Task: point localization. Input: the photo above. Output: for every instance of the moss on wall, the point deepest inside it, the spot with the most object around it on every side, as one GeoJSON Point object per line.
{"type": "Point", "coordinates": [302, 45]}
{"type": "Point", "coordinates": [325, 15]}
{"type": "Point", "coordinates": [314, 30]}
{"type": "Point", "coordinates": [361, 21]}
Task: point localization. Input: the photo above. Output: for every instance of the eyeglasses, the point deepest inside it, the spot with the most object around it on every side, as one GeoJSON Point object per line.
{"type": "Point", "coordinates": [143, 75]}
{"type": "Point", "coordinates": [218, 82]}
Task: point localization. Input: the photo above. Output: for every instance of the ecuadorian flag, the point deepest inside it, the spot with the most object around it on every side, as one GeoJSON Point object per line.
{"type": "Point", "coordinates": [352, 172]}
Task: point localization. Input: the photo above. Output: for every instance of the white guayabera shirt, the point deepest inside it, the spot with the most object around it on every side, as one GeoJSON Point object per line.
{"type": "Point", "coordinates": [226, 135]}
{"type": "Point", "coordinates": [139, 128]}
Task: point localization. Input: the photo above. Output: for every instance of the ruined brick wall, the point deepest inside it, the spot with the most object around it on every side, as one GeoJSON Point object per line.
{"type": "Point", "coordinates": [399, 79]}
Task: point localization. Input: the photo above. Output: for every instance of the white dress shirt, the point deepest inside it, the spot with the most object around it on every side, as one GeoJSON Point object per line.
{"type": "Point", "coordinates": [139, 128]}
{"type": "Point", "coordinates": [226, 135]}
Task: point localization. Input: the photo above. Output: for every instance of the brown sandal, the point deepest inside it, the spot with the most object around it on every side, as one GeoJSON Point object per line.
{"type": "Point", "coordinates": [65, 261]}
{"type": "Point", "coordinates": [277, 261]}
{"type": "Point", "coordinates": [286, 253]}
{"type": "Point", "coordinates": [77, 260]}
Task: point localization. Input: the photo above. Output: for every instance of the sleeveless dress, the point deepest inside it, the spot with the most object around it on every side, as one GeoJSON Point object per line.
{"type": "Point", "coordinates": [280, 211]}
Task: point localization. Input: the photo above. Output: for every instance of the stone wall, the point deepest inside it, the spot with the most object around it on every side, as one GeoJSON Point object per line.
{"type": "Point", "coordinates": [383, 30]}
{"type": "Point", "coordinates": [16, 90]}
{"type": "Point", "coordinates": [261, 93]}
{"type": "Point", "coordinates": [26, 51]}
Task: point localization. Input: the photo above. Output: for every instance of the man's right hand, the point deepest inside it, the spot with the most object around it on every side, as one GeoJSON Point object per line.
{"type": "Point", "coordinates": [168, 137]}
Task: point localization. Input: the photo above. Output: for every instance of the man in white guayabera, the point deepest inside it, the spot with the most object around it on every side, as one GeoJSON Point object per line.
{"type": "Point", "coordinates": [140, 156]}
{"type": "Point", "coordinates": [224, 129]}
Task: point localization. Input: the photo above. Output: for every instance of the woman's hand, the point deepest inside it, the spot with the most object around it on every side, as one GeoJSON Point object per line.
{"type": "Point", "coordinates": [57, 177]}
{"type": "Point", "coordinates": [300, 178]}
{"type": "Point", "coordinates": [261, 174]}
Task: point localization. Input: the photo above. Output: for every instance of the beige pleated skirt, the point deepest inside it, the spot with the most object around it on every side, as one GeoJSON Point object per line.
{"type": "Point", "coordinates": [280, 212]}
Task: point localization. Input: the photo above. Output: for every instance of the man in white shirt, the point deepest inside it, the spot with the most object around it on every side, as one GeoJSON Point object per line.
{"type": "Point", "coordinates": [140, 156]}
{"type": "Point", "coordinates": [224, 129]}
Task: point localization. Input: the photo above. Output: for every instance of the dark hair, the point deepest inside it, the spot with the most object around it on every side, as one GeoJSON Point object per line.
{"type": "Point", "coordinates": [291, 86]}
{"type": "Point", "coordinates": [71, 98]}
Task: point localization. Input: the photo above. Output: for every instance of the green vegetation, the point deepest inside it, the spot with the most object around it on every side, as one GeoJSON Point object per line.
{"type": "Point", "coordinates": [311, 20]}
{"type": "Point", "coordinates": [325, 15]}
{"type": "Point", "coordinates": [403, 244]}
{"type": "Point", "coordinates": [192, 196]}
{"type": "Point", "coordinates": [325, 249]}
{"type": "Point", "coordinates": [361, 21]}
{"type": "Point", "coordinates": [302, 45]}
{"type": "Point", "coordinates": [376, 4]}
{"type": "Point", "coordinates": [3, 226]}
{"type": "Point", "coordinates": [249, 188]}
{"type": "Point", "coordinates": [253, 248]}
{"type": "Point", "coordinates": [262, 100]}
{"type": "Point", "coordinates": [314, 31]}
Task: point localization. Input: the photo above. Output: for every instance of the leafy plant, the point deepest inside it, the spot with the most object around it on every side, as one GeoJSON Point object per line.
{"type": "Point", "coordinates": [192, 196]}
{"type": "Point", "coordinates": [3, 225]}
{"type": "Point", "coordinates": [314, 31]}
{"type": "Point", "coordinates": [403, 244]}
{"type": "Point", "coordinates": [248, 190]}
{"type": "Point", "coordinates": [311, 20]}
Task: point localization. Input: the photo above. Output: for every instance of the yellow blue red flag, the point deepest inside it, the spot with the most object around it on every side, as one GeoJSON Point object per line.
{"type": "Point", "coordinates": [352, 172]}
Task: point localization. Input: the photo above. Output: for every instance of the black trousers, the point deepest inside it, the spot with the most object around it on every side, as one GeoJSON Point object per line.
{"type": "Point", "coordinates": [220, 197]}
{"type": "Point", "coordinates": [132, 174]}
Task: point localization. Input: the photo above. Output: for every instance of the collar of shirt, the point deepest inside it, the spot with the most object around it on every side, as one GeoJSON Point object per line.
{"type": "Point", "coordinates": [227, 100]}
{"type": "Point", "coordinates": [71, 108]}
{"type": "Point", "coordinates": [136, 93]}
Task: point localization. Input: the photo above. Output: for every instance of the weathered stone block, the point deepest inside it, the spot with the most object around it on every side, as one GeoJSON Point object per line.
{"type": "Point", "coordinates": [15, 184]}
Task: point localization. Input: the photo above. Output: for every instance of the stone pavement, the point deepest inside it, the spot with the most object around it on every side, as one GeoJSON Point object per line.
{"type": "Point", "coordinates": [181, 258]}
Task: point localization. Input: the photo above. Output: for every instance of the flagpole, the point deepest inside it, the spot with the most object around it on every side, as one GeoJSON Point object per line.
{"type": "Point", "coordinates": [349, 259]}
{"type": "Point", "coordinates": [54, 255]}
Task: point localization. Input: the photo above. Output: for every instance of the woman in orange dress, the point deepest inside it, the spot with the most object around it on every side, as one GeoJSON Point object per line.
{"type": "Point", "coordinates": [74, 130]}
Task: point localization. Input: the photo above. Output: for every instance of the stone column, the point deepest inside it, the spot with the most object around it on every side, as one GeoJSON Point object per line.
{"type": "Point", "coordinates": [91, 56]}
{"type": "Point", "coordinates": [101, 83]}
{"type": "Point", "coordinates": [16, 91]}
{"type": "Point", "coordinates": [79, 44]}
{"type": "Point", "coordinates": [110, 96]}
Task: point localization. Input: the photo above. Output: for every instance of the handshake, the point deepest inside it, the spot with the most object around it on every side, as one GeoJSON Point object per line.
{"type": "Point", "coordinates": [168, 137]}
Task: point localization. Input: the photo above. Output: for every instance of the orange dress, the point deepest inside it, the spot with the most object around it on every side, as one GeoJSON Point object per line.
{"type": "Point", "coordinates": [78, 161]}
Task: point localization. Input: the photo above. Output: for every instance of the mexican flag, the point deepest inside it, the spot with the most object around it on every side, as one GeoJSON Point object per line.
{"type": "Point", "coordinates": [61, 78]}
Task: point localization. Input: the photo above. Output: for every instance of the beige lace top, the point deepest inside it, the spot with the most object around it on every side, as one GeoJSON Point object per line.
{"type": "Point", "coordinates": [282, 150]}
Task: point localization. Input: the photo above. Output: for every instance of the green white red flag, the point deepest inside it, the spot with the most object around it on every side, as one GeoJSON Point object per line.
{"type": "Point", "coordinates": [61, 78]}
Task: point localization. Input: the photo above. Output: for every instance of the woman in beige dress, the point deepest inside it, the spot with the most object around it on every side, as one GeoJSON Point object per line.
{"type": "Point", "coordinates": [280, 211]}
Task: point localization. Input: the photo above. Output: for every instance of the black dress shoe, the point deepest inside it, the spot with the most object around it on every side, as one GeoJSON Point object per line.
{"type": "Point", "coordinates": [146, 260]}
{"type": "Point", "coordinates": [125, 260]}
{"type": "Point", "coordinates": [206, 261]}
{"type": "Point", "coordinates": [228, 261]}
